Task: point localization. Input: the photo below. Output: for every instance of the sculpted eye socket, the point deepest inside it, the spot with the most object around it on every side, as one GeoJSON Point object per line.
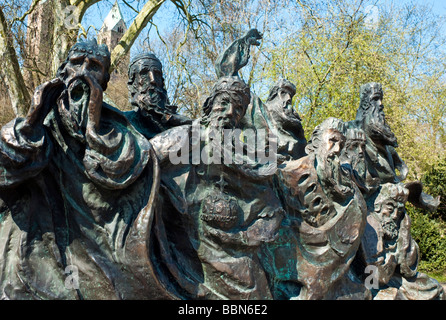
{"type": "Point", "coordinates": [142, 74]}
{"type": "Point", "coordinates": [94, 66]}
{"type": "Point", "coordinates": [225, 102]}
{"type": "Point", "coordinates": [77, 61]}
{"type": "Point", "coordinates": [152, 93]}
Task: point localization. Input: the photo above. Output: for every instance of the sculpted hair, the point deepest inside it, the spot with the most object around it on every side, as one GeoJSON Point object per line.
{"type": "Point", "coordinates": [366, 92]}
{"type": "Point", "coordinates": [89, 47]}
{"type": "Point", "coordinates": [282, 83]}
{"type": "Point", "coordinates": [235, 87]}
{"type": "Point", "coordinates": [316, 137]}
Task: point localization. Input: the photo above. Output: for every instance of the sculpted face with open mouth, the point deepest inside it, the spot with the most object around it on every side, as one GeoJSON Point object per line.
{"type": "Point", "coordinates": [85, 76]}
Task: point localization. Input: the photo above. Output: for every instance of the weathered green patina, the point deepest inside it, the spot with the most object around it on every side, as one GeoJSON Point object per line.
{"type": "Point", "coordinates": [147, 204]}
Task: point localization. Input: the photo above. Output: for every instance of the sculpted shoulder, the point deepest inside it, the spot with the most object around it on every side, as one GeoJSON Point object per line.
{"type": "Point", "coordinates": [172, 140]}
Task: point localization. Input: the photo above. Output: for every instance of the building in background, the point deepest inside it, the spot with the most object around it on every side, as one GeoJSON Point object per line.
{"type": "Point", "coordinates": [111, 33]}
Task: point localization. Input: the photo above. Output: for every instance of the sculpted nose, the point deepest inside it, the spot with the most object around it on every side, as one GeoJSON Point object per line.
{"type": "Point", "coordinates": [336, 148]}
{"type": "Point", "coordinates": [230, 111]}
{"type": "Point", "coordinates": [152, 78]}
{"type": "Point", "coordinates": [379, 103]}
{"type": "Point", "coordinates": [85, 64]}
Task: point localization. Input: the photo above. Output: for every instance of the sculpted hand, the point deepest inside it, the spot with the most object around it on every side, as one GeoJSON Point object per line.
{"type": "Point", "coordinates": [40, 103]}
{"type": "Point", "coordinates": [252, 37]}
{"type": "Point", "coordinates": [95, 103]}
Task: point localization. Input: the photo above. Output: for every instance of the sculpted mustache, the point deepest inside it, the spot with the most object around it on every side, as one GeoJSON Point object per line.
{"type": "Point", "coordinates": [160, 94]}
{"type": "Point", "coordinates": [156, 89]}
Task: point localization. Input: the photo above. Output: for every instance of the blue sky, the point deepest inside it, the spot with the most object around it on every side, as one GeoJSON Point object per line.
{"type": "Point", "coordinates": [97, 13]}
{"type": "Point", "coordinates": [439, 6]}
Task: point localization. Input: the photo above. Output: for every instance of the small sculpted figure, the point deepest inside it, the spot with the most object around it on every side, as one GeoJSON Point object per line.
{"type": "Point", "coordinates": [388, 245]}
{"type": "Point", "coordinates": [152, 112]}
{"type": "Point", "coordinates": [277, 117]}
{"type": "Point", "coordinates": [382, 158]}
{"type": "Point", "coordinates": [237, 55]}
{"type": "Point", "coordinates": [283, 121]}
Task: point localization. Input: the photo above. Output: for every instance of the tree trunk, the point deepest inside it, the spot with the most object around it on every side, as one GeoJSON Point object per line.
{"type": "Point", "coordinates": [38, 46]}
{"type": "Point", "coordinates": [53, 30]}
{"type": "Point", "coordinates": [66, 28]}
{"type": "Point", "coordinates": [18, 93]}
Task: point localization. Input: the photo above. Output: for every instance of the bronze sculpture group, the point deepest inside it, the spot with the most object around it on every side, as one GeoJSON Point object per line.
{"type": "Point", "coordinates": [93, 207]}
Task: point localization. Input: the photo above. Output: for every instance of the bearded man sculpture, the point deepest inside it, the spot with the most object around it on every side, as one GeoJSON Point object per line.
{"type": "Point", "coordinates": [78, 183]}
{"type": "Point", "coordinates": [96, 203]}
{"type": "Point", "coordinates": [388, 245]}
{"type": "Point", "coordinates": [215, 212]}
{"type": "Point", "coordinates": [322, 229]}
{"type": "Point", "coordinates": [152, 111]}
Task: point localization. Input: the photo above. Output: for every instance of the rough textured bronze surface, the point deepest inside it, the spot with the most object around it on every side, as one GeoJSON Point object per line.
{"type": "Point", "coordinates": [148, 204]}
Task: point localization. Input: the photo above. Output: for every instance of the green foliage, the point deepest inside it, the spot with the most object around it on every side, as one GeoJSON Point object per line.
{"type": "Point", "coordinates": [429, 228]}
{"type": "Point", "coordinates": [434, 182]}
{"type": "Point", "coordinates": [430, 235]}
{"type": "Point", "coordinates": [334, 50]}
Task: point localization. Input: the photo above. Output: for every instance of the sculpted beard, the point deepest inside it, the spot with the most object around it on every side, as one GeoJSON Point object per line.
{"type": "Point", "coordinates": [335, 176]}
{"type": "Point", "coordinates": [358, 164]}
{"type": "Point", "coordinates": [284, 113]}
{"type": "Point", "coordinates": [152, 98]}
{"type": "Point", "coordinates": [221, 121]}
{"type": "Point", "coordinates": [332, 168]}
{"type": "Point", "coordinates": [73, 104]}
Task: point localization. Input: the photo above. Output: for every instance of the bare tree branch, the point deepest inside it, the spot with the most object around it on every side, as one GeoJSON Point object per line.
{"type": "Point", "coordinates": [18, 93]}
{"type": "Point", "coordinates": [130, 6]}
{"type": "Point", "coordinates": [31, 9]}
{"type": "Point", "coordinates": [140, 22]}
